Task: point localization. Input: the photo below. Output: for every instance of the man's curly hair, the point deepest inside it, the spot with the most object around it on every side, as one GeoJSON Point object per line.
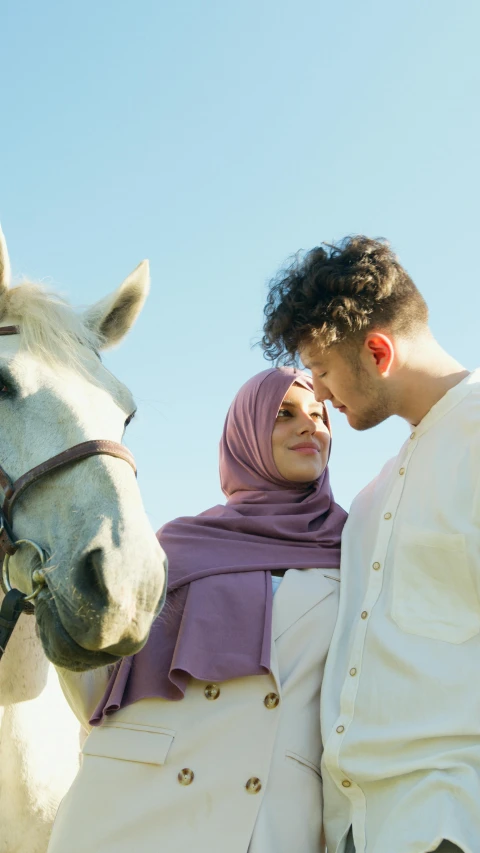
{"type": "Point", "coordinates": [337, 294]}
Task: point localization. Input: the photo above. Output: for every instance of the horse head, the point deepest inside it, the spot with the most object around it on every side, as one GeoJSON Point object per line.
{"type": "Point", "coordinates": [104, 570]}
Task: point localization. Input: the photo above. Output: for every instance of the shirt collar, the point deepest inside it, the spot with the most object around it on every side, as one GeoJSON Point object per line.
{"type": "Point", "coordinates": [452, 398]}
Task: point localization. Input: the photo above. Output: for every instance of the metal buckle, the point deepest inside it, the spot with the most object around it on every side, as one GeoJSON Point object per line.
{"type": "Point", "coordinates": [38, 576]}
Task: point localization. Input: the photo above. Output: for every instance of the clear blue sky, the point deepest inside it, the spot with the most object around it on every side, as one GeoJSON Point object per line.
{"type": "Point", "coordinates": [217, 139]}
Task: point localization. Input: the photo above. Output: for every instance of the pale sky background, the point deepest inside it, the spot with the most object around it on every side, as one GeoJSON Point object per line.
{"type": "Point", "coordinates": [217, 139]}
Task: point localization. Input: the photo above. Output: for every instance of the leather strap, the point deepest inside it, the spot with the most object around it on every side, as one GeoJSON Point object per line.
{"type": "Point", "coordinates": [9, 330]}
{"type": "Point", "coordinates": [10, 612]}
{"type": "Point", "coordinates": [7, 540]}
{"type": "Point", "coordinates": [5, 481]}
{"type": "Point", "coordinates": [73, 454]}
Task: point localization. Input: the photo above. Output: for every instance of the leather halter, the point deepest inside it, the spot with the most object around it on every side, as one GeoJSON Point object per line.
{"type": "Point", "coordinates": [77, 453]}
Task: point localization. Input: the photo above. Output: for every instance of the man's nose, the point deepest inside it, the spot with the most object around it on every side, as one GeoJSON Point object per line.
{"type": "Point", "coordinates": [320, 391]}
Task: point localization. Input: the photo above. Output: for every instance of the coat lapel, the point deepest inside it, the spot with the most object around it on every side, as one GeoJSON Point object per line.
{"type": "Point", "coordinates": [299, 591]}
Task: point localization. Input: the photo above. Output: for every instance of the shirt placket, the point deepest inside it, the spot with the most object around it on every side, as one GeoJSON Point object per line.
{"type": "Point", "coordinates": [333, 746]}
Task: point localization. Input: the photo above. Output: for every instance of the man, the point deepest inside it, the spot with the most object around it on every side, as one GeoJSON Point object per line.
{"type": "Point", "coordinates": [401, 694]}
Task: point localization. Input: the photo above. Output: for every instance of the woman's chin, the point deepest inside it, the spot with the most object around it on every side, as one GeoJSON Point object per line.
{"type": "Point", "coordinates": [307, 473]}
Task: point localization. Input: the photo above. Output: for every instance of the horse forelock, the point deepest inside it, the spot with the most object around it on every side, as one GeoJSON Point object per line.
{"type": "Point", "coordinates": [51, 328]}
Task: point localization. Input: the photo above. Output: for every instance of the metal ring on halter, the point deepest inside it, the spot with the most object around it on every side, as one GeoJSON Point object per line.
{"type": "Point", "coordinates": [38, 577]}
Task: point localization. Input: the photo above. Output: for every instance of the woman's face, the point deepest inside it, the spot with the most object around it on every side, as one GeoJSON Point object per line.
{"type": "Point", "coordinates": [300, 438]}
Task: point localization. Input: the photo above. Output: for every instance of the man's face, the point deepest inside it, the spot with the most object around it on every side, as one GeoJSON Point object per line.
{"type": "Point", "coordinates": [349, 379]}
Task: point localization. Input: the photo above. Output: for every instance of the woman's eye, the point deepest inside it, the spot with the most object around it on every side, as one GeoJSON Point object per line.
{"type": "Point", "coordinates": [283, 413]}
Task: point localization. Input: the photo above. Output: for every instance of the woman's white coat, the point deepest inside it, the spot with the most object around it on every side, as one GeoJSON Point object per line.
{"type": "Point", "coordinates": [252, 766]}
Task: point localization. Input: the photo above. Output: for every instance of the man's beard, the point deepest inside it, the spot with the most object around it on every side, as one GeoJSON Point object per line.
{"type": "Point", "coordinates": [379, 406]}
{"type": "Point", "coordinates": [371, 418]}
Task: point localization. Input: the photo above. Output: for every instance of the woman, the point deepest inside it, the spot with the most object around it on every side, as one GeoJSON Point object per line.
{"type": "Point", "coordinates": [209, 738]}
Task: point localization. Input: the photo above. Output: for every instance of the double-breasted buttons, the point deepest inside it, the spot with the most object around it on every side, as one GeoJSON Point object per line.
{"type": "Point", "coordinates": [212, 691]}
{"type": "Point", "coordinates": [186, 776]}
{"type": "Point", "coordinates": [271, 701]}
{"type": "Point", "coordinates": [253, 785]}
{"type": "Point", "coordinates": [346, 783]}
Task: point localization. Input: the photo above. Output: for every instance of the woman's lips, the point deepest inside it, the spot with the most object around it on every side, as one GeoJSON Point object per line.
{"type": "Point", "coordinates": [306, 449]}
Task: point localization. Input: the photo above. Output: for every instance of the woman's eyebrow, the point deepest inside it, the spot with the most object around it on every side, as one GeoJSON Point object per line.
{"type": "Point", "coordinates": [293, 405]}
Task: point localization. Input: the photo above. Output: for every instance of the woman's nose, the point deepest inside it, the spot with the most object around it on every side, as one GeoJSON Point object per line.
{"type": "Point", "coordinates": [307, 424]}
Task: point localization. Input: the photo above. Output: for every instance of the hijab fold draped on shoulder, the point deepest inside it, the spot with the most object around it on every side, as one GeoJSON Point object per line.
{"type": "Point", "coordinates": [217, 620]}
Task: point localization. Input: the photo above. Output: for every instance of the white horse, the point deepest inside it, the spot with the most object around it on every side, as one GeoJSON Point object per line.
{"type": "Point", "coordinates": [104, 569]}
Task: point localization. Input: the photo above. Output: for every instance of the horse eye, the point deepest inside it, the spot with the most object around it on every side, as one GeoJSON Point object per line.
{"type": "Point", "coordinates": [130, 418]}
{"type": "Point", "coordinates": [5, 387]}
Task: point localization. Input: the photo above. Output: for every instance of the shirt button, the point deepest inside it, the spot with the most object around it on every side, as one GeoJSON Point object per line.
{"type": "Point", "coordinates": [212, 691]}
{"type": "Point", "coordinates": [186, 776]}
{"type": "Point", "coordinates": [353, 671]}
{"type": "Point", "coordinates": [253, 785]}
{"type": "Point", "coordinates": [364, 614]}
{"type": "Point", "coordinates": [413, 435]}
{"type": "Point", "coordinates": [387, 516]}
{"type": "Point", "coordinates": [402, 472]}
{"type": "Point", "coordinates": [346, 783]}
{"type": "Point", "coordinates": [376, 566]}
{"type": "Point", "coordinates": [271, 701]}
{"type": "Point", "coordinates": [340, 729]}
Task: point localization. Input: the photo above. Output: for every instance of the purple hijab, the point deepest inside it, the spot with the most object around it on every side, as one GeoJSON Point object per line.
{"type": "Point", "coordinates": [217, 619]}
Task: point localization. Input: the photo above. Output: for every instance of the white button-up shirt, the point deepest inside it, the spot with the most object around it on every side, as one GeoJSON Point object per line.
{"type": "Point", "coordinates": [401, 693]}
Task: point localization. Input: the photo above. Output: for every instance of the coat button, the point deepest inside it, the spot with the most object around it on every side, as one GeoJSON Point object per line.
{"type": "Point", "coordinates": [212, 691]}
{"type": "Point", "coordinates": [253, 785]}
{"type": "Point", "coordinates": [186, 776]}
{"type": "Point", "coordinates": [271, 701]}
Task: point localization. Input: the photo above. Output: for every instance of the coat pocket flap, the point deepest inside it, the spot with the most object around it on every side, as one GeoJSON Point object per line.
{"type": "Point", "coordinates": [303, 763]}
{"type": "Point", "coordinates": [127, 743]}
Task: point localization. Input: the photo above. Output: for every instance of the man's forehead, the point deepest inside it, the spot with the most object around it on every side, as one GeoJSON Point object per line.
{"type": "Point", "coordinates": [313, 355]}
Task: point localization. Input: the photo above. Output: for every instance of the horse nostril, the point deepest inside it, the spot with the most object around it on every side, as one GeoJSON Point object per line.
{"type": "Point", "coordinates": [90, 577]}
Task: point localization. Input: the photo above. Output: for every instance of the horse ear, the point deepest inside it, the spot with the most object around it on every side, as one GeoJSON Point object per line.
{"type": "Point", "coordinates": [112, 317]}
{"type": "Point", "coordinates": [5, 274]}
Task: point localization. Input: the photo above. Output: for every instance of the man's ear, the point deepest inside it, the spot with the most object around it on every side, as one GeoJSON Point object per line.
{"type": "Point", "coordinates": [112, 317]}
{"type": "Point", "coordinates": [380, 352]}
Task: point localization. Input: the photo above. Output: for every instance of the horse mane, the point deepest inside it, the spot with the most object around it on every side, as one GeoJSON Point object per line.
{"type": "Point", "coordinates": [50, 326]}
